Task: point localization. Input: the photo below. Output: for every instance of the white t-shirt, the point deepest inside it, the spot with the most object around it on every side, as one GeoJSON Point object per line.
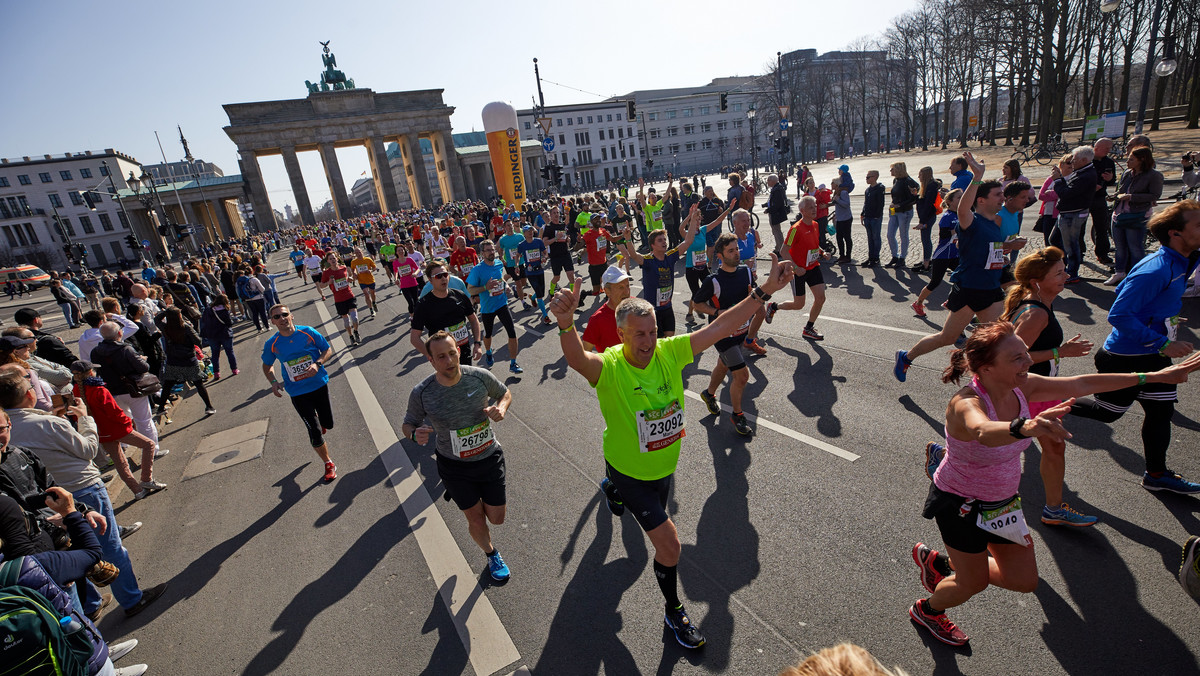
{"type": "Point", "coordinates": [313, 262]}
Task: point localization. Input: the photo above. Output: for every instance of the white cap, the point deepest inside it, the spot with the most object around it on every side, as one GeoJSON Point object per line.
{"type": "Point", "coordinates": [613, 275]}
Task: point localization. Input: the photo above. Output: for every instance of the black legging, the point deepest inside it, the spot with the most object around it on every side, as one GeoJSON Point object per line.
{"type": "Point", "coordinates": [169, 385]}
{"type": "Point", "coordinates": [258, 311]}
{"type": "Point", "coordinates": [316, 412]}
{"type": "Point", "coordinates": [844, 243]}
{"type": "Point", "coordinates": [937, 270]}
{"type": "Point", "coordinates": [411, 294]}
{"type": "Point", "coordinates": [1156, 426]}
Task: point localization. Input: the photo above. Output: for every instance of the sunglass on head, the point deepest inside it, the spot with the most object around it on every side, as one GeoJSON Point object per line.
{"type": "Point", "coordinates": [281, 315]}
{"type": "Point", "coordinates": [441, 275]}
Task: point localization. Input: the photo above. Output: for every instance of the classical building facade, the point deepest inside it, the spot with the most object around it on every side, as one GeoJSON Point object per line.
{"type": "Point", "coordinates": [594, 143]}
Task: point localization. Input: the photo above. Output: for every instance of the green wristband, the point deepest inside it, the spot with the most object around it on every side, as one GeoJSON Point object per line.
{"type": "Point", "coordinates": [1141, 378]}
{"type": "Point", "coordinates": [1163, 349]}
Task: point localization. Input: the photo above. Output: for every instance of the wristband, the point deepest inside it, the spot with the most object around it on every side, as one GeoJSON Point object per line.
{"type": "Point", "coordinates": [1014, 428]}
{"type": "Point", "coordinates": [1141, 378]}
{"type": "Point", "coordinates": [569, 329]}
{"type": "Point", "coordinates": [976, 182]}
{"type": "Point", "coordinates": [413, 436]}
{"type": "Point", "coordinates": [1163, 349]}
{"type": "Point", "coordinates": [1055, 352]}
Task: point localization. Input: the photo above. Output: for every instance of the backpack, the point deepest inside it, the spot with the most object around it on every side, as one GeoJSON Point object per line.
{"type": "Point", "coordinates": [243, 287]}
{"type": "Point", "coordinates": [35, 641]}
{"type": "Point", "coordinates": [937, 203]}
{"type": "Point", "coordinates": [746, 199]}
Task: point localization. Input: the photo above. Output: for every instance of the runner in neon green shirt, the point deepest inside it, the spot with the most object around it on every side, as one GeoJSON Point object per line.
{"type": "Point", "coordinates": [387, 254]}
{"type": "Point", "coordinates": [639, 384]}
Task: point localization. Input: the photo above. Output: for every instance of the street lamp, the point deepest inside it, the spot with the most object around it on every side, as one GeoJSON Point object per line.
{"type": "Point", "coordinates": [150, 199]}
{"type": "Point", "coordinates": [751, 113]}
{"type": "Point", "coordinates": [1163, 68]}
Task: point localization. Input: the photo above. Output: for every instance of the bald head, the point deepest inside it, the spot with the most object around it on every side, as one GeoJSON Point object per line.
{"type": "Point", "coordinates": [139, 291]}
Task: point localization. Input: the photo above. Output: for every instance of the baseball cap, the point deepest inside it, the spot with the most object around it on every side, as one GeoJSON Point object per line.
{"type": "Point", "coordinates": [12, 343]}
{"type": "Point", "coordinates": [613, 275]}
{"type": "Point", "coordinates": [82, 366]}
{"type": "Point", "coordinates": [844, 167]}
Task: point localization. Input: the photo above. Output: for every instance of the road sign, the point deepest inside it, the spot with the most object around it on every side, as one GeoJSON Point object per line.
{"type": "Point", "coordinates": [973, 121]}
{"type": "Point", "coordinates": [544, 123]}
{"type": "Point", "coordinates": [783, 111]}
{"type": "Point", "coordinates": [146, 243]}
{"type": "Point", "coordinates": [548, 144]}
{"type": "Point", "coordinates": [783, 124]}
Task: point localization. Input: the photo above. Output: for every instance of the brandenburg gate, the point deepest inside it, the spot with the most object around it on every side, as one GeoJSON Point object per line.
{"type": "Point", "coordinates": [336, 114]}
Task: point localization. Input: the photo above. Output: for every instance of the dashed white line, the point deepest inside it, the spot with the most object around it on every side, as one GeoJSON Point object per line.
{"type": "Point", "coordinates": [802, 438]}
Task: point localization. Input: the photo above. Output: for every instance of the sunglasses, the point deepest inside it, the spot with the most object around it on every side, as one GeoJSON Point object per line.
{"type": "Point", "coordinates": [441, 275]}
{"type": "Point", "coordinates": [281, 315]}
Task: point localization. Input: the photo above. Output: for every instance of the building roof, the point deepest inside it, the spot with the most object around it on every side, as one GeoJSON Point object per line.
{"type": "Point", "coordinates": [185, 185]}
{"type": "Point", "coordinates": [468, 150]}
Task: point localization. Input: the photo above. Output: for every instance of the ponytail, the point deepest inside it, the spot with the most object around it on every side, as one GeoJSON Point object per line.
{"type": "Point", "coordinates": [958, 366]}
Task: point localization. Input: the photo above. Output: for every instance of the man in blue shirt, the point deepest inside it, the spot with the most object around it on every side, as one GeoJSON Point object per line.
{"type": "Point", "coordinates": [297, 257]}
{"type": "Point", "coordinates": [962, 174]}
{"type": "Point", "coordinates": [302, 352]}
{"type": "Point", "coordinates": [1145, 319]}
{"type": "Point", "coordinates": [486, 280]}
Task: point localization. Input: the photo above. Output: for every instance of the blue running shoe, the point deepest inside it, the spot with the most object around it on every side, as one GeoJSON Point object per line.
{"type": "Point", "coordinates": [961, 342]}
{"type": "Point", "coordinates": [902, 364]}
{"type": "Point", "coordinates": [1169, 481]}
{"type": "Point", "coordinates": [497, 567]}
{"type": "Point", "coordinates": [514, 367]}
{"type": "Point", "coordinates": [491, 361]}
{"type": "Point", "coordinates": [934, 452]}
{"type": "Point", "coordinates": [1063, 515]}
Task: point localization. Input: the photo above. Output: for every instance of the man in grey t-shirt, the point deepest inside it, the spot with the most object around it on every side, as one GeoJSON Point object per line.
{"type": "Point", "coordinates": [455, 400]}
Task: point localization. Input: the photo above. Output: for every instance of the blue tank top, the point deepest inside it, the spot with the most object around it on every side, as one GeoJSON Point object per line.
{"type": "Point", "coordinates": [974, 248]}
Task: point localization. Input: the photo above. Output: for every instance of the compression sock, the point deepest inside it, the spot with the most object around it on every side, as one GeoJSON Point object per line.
{"type": "Point", "coordinates": [542, 306]}
{"type": "Point", "coordinates": [808, 325]}
{"type": "Point", "coordinates": [930, 609]}
{"type": "Point", "coordinates": [668, 582]}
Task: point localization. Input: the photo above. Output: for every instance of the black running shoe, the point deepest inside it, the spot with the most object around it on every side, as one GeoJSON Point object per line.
{"type": "Point", "coordinates": [711, 402]}
{"type": "Point", "coordinates": [686, 633]}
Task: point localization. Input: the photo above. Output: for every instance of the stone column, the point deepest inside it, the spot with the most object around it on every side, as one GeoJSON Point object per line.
{"type": "Point", "coordinates": [337, 187]}
{"type": "Point", "coordinates": [469, 180]}
{"type": "Point", "coordinates": [303, 205]}
{"type": "Point", "coordinates": [414, 171]}
{"type": "Point", "coordinates": [224, 225]}
{"type": "Point", "coordinates": [450, 178]}
{"type": "Point", "coordinates": [263, 216]}
{"type": "Point", "coordinates": [381, 172]}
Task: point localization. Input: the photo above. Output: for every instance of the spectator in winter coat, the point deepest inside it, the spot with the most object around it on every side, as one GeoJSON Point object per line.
{"type": "Point", "coordinates": [216, 327]}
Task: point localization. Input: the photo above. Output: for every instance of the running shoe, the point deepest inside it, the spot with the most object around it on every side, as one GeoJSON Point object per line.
{"type": "Point", "coordinates": [210, 410]}
{"type": "Point", "coordinates": [497, 567]}
{"type": "Point", "coordinates": [772, 308]}
{"type": "Point", "coordinates": [216, 375]}
{"type": "Point", "coordinates": [740, 425]}
{"type": "Point", "coordinates": [754, 347]}
{"type": "Point", "coordinates": [1189, 572]}
{"type": "Point", "coordinates": [1063, 515]}
{"type": "Point", "coordinates": [926, 560]}
{"type": "Point", "coordinates": [357, 337]}
{"type": "Point", "coordinates": [612, 496]}
{"type": "Point", "coordinates": [900, 370]}
{"type": "Point", "coordinates": [1074, 280]}
{"type": "Point", "coordinates": [811, 333]}
{"type": "Point", "coordinates": [235, 372]}
{"type": "Point", "coordinates": [686, 633]}
{"type": "Point", "coordinates": [330, 471]}
{"type": "Point", "coordinates": [971, 326]}
{"type": "Point", "coordinates": [934, 452]}
{"type": "Point", "coordinates": [939, 625]}
{"type": "Point", "coordinates": [961, 341]}
{"type": "Point", "coordinates": [690, 318]}
{"type": "Point", "coordinates": [711, 402]}
{"type": "Point", "coordinates": [919, 308]}
{"type": "Point", "coordinates": [515, 368]}
{"type": "Point", "coordinates": [1171, 482]}
{"type": "Point", "coordinates": [487, 356]}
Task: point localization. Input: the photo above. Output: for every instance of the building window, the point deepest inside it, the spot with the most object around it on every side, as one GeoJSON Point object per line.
{"type": "Point", "coordinates": [672, 131]}
{"type": "Point", "coordinates": [737, 107]}
{"type": "Point", "coordinates": [722, 125]}
{"type": "Point", "coordinates": [76, 198]}
{"type": "Point", "coordinates": [21, 236]}
{"type": "Point", "coordinates": [23, 179]}
{"type": "Point", "coordinates": [583, 138]}
{"type": "Point", "coordinates": [562, 139]}
{"type": "Point", "coordinates": [603, 154]}
{"type": "Point", "coordinates": [613, 149]}
{"type": "Point", "coordinates": [118, 254]}
{"type": "Point", "coordinates": [601, 134]}
{"type": "Point", "coordinates": [705, 110]}
{"type": "Point", "coordinates": [569, 121]}
{"type": "Point", "coordinates": [687, 112]}
{"type": "Point", "coordinates": [103, 170]}
{"type": "Point", "coordinates": [124, 221]}
{"type": "Point", "coordinates": [691, 147]}
{"type": "Point", "coordinates": [564, 159]}
{"type": "Point", "coordinates": [656, 151]}
{"type": "Point", "coordinates": [609, 118]}
{"type": "Point", "coordinates": [45, 176]}
{"type": "Point", "coordinates": [24, 210]}
{"type": "Point", "coordinates": [528, 126]}
{"type": "Point", "coordinates": [653, 116]}
{"type": "Point", "coordinates": [105, 222]}
{"type": "Point", "coordinates": [65, 175]}
{"type": "Point", "coordinates": [689, 129]}
{"type": "Point", "coordinates": [67, 224]}
{"type": "Point", "coordinates": [620, 132]}
{"type": "Point", "coordinates": [85, 222]}
{"type": "Point", "coordinates": [4, 212]}
{"type": "Point", "coordinates": [3, 181]}
{"type": "Point", "coordinates": [673, 148]}
{"type": "Point", "coordinates": [737, 124]}
{"type": "Point", "coordinates": [706, 144]}
{"type": "Point", "coordinates": [54, 200]}
{"type": "Point", "coordinates": [654, 133]}
{"type": "Point", "coordinates": [558, 121]}
{"type": "Point", "coordinates": [706, 127]}
{"type": "Point", "coordinates": [618, 118]}
{"type": "Point", "coordinates": [589, 119]}
{"type": "Point", "coordinates": [85, 173]}
{"type": "Point", "coordinates": [579, 120]}
{"type": "Point", "coordinates": [12, 241]}
{"type": "Point", "coordinates": [33, 238]}
{"type": "Point", "coordinates": [631, 153]}
{"type": "Point", "coordinates": [670, 114]}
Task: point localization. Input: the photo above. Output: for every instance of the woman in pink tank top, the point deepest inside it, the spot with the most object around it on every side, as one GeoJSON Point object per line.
{"type": "Point", "coordinates": [974, 493]}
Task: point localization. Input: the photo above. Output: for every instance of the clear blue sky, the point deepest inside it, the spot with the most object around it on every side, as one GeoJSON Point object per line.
{"type": "Point", "coordinates": [88, 76]}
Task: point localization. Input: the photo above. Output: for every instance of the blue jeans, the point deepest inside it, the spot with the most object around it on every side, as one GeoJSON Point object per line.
{"type": "Point", "coordinates": [217, 346]}
{"type": "Point", "coordinates": [1131, 244]}
{"type": "Point", "coordinates": [69, 313]}
{"type": "Point", "coordinates": [873, 226]}
{"type": "Point", "coordinates": [125, 588]}
{"type": "Point", "coordinates": [898, 224]}
{"type": "Point", "coordinates": [1069, 227]}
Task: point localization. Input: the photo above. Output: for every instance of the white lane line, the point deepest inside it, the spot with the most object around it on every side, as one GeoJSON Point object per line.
{"type": "Point", "coordinates": [802, 438]}
{"type": "Point", "coordinates": [878, 326]}
{"type": "Point", "coordinates": [484, 637]}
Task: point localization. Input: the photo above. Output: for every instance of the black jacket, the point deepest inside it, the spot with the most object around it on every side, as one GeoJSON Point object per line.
{"type": "Point", "coordinates": [1076, 190]}
{"type": "Point", "coordinates": [50, 348]}
{"type": "Point", "coordinates": [116, 359]}
{"type": "Point", "coordinates": [777, 206]}
{"type": "Point", "coordinates": [873, 201]}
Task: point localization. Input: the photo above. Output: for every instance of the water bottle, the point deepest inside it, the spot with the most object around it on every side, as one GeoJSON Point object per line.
{"type": "Point", "coordinates": [69, 624]}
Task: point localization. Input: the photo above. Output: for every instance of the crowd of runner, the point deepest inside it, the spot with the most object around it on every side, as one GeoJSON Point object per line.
{"type": "Point", "coordinates": [466, 266]}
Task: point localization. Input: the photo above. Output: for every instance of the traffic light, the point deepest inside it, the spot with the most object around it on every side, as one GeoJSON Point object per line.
{"type": "Point", "coordinates": [132, 242]}
{"type": "Point", "coordinates": [630, 110]}
{"type": "Point", "coordinates": [81, 251]}
{"type": "Point", "coordinates": [70, 252]}
{"type": "Point", "coordinates": [724, 102]}
{"type": "Point", "coordinates": [181, 230]}
{"type": "Point", "coordinates": [649, 163]}
{"type": "Point", "coordinates": [546, 172]}
{"type": "Point", "coordinates": [555, 174]}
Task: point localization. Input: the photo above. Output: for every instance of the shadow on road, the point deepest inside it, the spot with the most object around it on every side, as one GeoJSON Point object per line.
{"type": "Point", "coordinates": [815, 392]}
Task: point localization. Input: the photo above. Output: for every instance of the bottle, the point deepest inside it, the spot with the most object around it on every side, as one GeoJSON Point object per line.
{"type": "Point", "coordinates": [69, 624]}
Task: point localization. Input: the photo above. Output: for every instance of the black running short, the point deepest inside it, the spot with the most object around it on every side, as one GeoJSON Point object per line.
{"type": "Point", "coordinates": [505, 318]}
{"type": "Point", "coordinates": [976, 299]}
{"type": "Point", "coordinates": [958, 531]}
{"type": "Point", "coordinates": [468, 482]}
{"type": "Point", "coordinates": [664, 316]}
{"type": "Point", "coordinates": [596, 272]}
{"type": "Point", "coordinates": [517, 272]}
{"type": "Point", "coordinates": [810, 278]}
{"type": "Point", "coordinates": [646, 500]}
{"type": "Point", "coordinates": [560, 263]}
{"type": "Point", "coordinates": [343, 307]}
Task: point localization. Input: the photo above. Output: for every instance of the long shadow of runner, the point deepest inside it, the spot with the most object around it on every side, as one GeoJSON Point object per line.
{"type": "Point", "coordinates": [815, 390]}
{"type": "Point", "coordinates": [333, 586]}
{"type": "Point", "coordinates": [449, 657]}
{"type": "Point", "coordinates": [725, 556]}
{"type": "Point", "coordinates": [582, 638]}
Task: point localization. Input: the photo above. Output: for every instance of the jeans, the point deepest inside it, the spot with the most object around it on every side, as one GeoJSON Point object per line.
{"type": "Point", "coordinates": [927, 240]}
{"type": "Point", "coordinates": [874, 228]}
{"type": "Point", "coordinates": [227, 345]}
{"type": "Point", "coordinates": [125, 588]}
{"type": "Point", "coordinates": [68, 314]}
{"type": "Point", "coordinates": [1131, 245]}
{"type": "Point", "coordinates": [898, 224]}
{"type": "Point", "coordinates": [1070, 227]}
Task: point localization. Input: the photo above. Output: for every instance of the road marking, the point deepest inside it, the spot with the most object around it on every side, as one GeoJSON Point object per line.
{"type": "Point", "coordinates": [802, 438]}
{"type": "Point", "coordinates": [877, 326]}
{"type": "Point", "coordinates": [488, 645]}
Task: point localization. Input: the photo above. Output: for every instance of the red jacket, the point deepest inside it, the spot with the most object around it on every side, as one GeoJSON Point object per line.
{"type": "Point", "coordinates": [112, 423]}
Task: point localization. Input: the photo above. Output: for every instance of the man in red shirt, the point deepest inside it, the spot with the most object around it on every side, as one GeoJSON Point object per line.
{"type": "Point", "coordinates": [804, 249]}
{"type": "Point", "coordinates": [337, 277]}
{"type": "Point", "coordinates": [601, 331]}
{"type": "Point", "coordinates": [596, 241]}
{"type": "Point", "coordinates": [462, 258]}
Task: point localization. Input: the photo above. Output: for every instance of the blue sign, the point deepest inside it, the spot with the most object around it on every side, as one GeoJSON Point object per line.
{"type": "Point", "coordinates": [783, 125]}
{"type": "Point", "coordinates": [548, 144]}
{"type": "Point", "coordinates": [146, 243]}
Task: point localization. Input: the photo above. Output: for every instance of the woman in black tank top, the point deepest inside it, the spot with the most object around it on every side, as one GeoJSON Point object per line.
{"type": "Point", "coordinates": [1040, 277]}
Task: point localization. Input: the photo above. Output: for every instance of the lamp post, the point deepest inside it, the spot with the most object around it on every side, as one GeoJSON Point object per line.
{"type": "Point", "coordinates": [68, 245]}
{"type": "Point", "coordinates": [1163, 68]}
{"type": "Point", "coordinates": [113, 188]}
{"type": "Point", "coordinates": [149, 200]}
{"type": "Point", "coordinates": [751, 113]}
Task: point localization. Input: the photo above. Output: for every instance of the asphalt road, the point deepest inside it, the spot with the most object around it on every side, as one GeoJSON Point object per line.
{"type": "Point", "coordinates": [787, 547]}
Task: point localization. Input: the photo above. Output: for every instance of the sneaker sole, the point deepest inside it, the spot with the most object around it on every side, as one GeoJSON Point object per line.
{"type": "Point", "coordinates": [1170, 490]}
{"type": "Point", "coordinates": [917, 618]}
{"type": "Point", "coordinates": [1064, 522]}
{"type": "Point", "coordinates": [678, 640]}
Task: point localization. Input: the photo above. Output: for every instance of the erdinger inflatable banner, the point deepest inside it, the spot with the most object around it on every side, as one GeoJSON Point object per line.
{"type": "Point", "coordinates": [504, 147]}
